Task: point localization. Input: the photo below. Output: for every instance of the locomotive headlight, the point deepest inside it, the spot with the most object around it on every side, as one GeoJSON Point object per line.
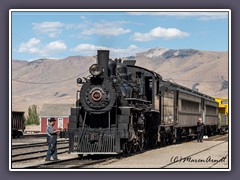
{"type": "Point", "coordinates": [95, 70]}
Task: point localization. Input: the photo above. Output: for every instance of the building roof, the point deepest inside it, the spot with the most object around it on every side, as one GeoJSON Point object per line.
{"type": "Point", "coordinates": [55, 110]}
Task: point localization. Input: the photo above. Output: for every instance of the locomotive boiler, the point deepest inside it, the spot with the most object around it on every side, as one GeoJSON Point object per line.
{"type": "Point", "coordinates": [123, 108]}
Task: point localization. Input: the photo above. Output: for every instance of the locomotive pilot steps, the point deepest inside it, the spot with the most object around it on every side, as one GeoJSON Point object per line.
{"type": "Point", "coordinates": [123, 108]}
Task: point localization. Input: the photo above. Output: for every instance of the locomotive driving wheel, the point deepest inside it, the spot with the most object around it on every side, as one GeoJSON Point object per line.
{"type": "Point", "coordinates": [141, 142]}
{"type": "Point", "coordinates": [135, 148]}
{"type": "Point", "coordinates": [128, 147]}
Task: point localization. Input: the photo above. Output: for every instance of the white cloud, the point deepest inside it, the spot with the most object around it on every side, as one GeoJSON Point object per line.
{"type": "Point", "coordinates": [76, 26]}
{"type": "Point", "coordinates": [87, 48]}
{"type": "Point", "coordinates": [103, 28]}
{"type": "Point", "coordinates": [159, 32]}
{"type": "Point", "coordinates": [106, 32]}
{"type": "Point", "coordinates": [33, 46]}
{"type": "Point", "coordinates": [56, 46]}
{"type": "Point", "coordinates": [90, 49]}
{"type": "Point", "coordinates": [106, 29]}
{"type": "Point", "coordinates": [201, 15]}
{"type": "Point", "coordinates": [51, 29]}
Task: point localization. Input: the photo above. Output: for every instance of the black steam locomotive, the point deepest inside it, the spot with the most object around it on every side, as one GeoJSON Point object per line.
{"type": "Point", "coordinates": [123, 108]}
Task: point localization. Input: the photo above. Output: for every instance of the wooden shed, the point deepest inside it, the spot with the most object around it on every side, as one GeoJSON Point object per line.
{"type": "Point", "coordinates": [60, 112]}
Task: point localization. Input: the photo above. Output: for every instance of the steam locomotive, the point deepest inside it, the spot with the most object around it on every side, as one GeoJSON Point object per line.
{"type": "Point", "coordinates": [123, 108]}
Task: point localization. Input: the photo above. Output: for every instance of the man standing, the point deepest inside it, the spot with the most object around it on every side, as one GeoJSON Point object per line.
{"type": "Point", "coordinates": [51, 140]}
{"type": "Point", "coordinates": [200, 130]}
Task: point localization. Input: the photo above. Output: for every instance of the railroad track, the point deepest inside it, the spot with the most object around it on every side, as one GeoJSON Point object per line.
{"type": "Point", "coordinates": [87, 163]}
{"type": "Point", "coordinates": [186, 158]}
{"type": "Point", "coordinates": [33, 151]}
{"type": "Point", "coordinates": [35, 155]}
{"type": "Point", "coordinates": [218, 138]}
{"type": "Point", "coordinates": [37, 151]}
{"type": "Point", "coordinates": [21, 146]}
{"type": "Point", "coordinates": [72, 163]}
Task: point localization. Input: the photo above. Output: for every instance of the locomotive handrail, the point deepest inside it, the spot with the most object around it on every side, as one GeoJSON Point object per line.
{"type": "Point", "coordinates": [136, 99]}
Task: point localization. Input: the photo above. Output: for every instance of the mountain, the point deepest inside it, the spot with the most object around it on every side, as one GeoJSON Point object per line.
{"type": "Point", "coordinates": [54, 80]}
{"type": "Point", "coordinates": [206, 70]}
{"type": "Point", "coordinates": [47, 80]}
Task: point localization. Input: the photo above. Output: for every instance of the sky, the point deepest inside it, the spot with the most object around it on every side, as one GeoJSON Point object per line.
{"type": "Point", "coordinates": [41, 34]}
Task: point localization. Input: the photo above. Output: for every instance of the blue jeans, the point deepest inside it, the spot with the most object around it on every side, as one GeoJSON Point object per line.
{"type": "Point", "coordinates": [52, 149]}
{"type": "Point", "coordinates": [200, 136]}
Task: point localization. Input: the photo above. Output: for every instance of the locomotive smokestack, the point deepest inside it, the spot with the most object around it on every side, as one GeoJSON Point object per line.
{"type": "Point", "coordinates": [103, 58]}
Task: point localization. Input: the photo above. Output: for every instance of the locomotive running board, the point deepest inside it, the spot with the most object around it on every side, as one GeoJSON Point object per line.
{"type": "Point", "coordinates": [140, 100]}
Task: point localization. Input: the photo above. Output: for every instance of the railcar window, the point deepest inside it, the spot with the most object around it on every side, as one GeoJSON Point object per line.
{"type": "Point", "coordinates": [168, 108]}
{"type": "Point", "coordinates": [222, 110]}
{"type": "Point", "coordinates": [224, 102]}
{"type": "Point", "coordinates": [157, 87]}
{"type": "Point", "coordinates": [211, 110]}
{"type": "Point", "coordinates": [150, 83]}
{"type": "Point", "coordinates": [203, 104]}
{"type": "Point", "coordinates": [148, 88]}
{"type": "Point", "coordinates": [189, 106]}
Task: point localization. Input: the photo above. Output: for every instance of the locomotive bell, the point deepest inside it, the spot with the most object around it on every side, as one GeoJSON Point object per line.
{"type": "Point", "coordinates": [103, 58]}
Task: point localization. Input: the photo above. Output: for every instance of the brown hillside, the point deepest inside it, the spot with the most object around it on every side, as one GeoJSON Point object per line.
{"type": "Point", "coordinates": [54, 81]}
